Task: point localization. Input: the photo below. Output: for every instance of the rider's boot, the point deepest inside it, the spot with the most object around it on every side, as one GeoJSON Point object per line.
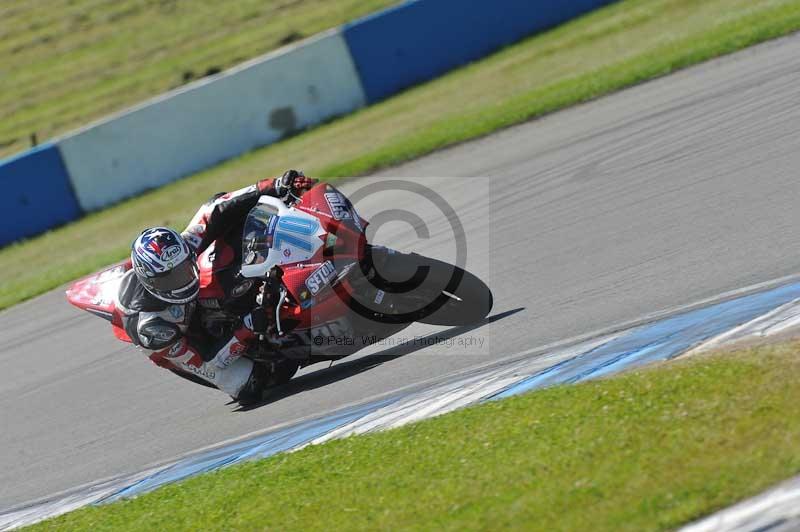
{"type": "Point", "coordinates": [255, 389]}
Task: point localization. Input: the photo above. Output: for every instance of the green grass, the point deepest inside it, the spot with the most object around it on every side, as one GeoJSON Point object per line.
{"type": "Point", "coordinates": [66, 62]}
{"type": "Point", "coordinates": [618, 46]}
{"type": "Point", "coordinates": [648, 450]}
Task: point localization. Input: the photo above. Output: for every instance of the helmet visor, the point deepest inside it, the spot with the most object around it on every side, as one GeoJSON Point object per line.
{"type": "Point", "coordinates": [180, 283]}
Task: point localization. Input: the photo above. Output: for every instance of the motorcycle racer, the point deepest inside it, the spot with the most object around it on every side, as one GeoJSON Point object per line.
{"type": "Point", "coordinates": [158, 297]}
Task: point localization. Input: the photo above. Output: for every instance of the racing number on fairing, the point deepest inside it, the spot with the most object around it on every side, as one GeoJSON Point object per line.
{"type": "Point", "coordinates": [289, 226]}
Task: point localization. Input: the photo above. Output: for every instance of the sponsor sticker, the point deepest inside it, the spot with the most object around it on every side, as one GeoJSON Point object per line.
{"type": "Point", "coordinates": [194, 235]}
{"type": "Point", "coordinates": [176, 311]}
{"type": "Point", "coordinates": [205, 371]}
{"type": "Point", "coordinates": [159, 332]}
{"type": "Point", "coordinates": [330, 240]}
{"type": "Point", "coordinates": [379, 297]}
{"type": "Point", "coordinates": [209, 303]}
{"type": "Point", "coordinates": [176, 349]}
{"type": "Point", "coordinates": [357, 221]}
{"type": "Point", "coordinates": [102, 298]}
{"type": "Point", "coordinates": [237, 349]}
{"type": "Point", "coordinates": [338, 205]}
{"type": "Point", "coordinates": [170, 253]}
{"type": "Point", "coordinates": [207, 259]}
{"type": "Point", "coordinates": [242, 288]}
{"type": "Point", "coordinates": [320, 278]}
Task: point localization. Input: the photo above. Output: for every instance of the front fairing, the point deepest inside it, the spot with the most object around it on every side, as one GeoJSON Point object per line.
{"type": "Point", "coordinates": [313, 243]}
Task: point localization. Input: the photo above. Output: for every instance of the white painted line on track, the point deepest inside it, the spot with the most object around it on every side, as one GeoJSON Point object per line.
{"type": "Point", "coordinates": [776, 509]}
{"type": "Point", "coordinates": [779, 320]}
{"type": "Point", "coordinates": [434, 396]}
{"type": "Point", "coordinates": [453, 395]}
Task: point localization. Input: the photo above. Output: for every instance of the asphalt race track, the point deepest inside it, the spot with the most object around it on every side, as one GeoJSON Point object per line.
{"type": "Point", "coordinates": [653, 198]}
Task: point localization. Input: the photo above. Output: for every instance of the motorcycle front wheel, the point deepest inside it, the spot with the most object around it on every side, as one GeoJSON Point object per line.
{"type": "Point", "coordinates": [430, 291]}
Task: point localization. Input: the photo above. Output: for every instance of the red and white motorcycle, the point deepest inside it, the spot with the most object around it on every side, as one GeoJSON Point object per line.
{"type": "Point", "coordinates": [330, 292]}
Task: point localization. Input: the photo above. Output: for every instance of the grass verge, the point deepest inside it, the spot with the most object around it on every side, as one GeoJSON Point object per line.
{"type": "Point", "coordinates": [66, 62]}
{"type": "Point", "coordinates": [615, 47]}
{"type": "Point", "coordinates": [647, 450]}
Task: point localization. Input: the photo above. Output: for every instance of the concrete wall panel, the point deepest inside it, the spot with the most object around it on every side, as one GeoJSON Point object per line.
{"type": "Point", "coordinates": [207, 122]}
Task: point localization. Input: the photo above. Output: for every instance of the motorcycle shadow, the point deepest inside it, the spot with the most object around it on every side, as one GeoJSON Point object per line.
{"type": "Point", "coordinates": [345, 370]}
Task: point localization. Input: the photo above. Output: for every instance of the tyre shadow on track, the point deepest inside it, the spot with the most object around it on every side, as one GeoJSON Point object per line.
{"type": "Point", "coordinates": [341, 371]}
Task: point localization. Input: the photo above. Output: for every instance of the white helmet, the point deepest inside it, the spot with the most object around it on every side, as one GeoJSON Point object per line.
{"type": "Point", "coordinates": [166, 265]}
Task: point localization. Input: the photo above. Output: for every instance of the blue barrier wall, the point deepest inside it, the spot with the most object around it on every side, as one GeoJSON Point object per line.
{"type": "Point", "coordinates": [37, 192]}
{"type": "Point", "coordinates": [422, 39]}
{"type": "Point", "coordinates": [259, 102]}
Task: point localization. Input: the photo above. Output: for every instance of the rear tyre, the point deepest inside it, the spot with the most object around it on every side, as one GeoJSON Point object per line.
{"type": "Point", "coordinates": [263, 381]}
{"type": "Point", "coordinates": [254, 390]}
{"type": "Point", "coordinates": [283, 372]}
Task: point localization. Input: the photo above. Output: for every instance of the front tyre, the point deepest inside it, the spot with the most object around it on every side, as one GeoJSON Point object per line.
{"type": "Point", "coordinates": [431, 291]}
{"type": "Point", "coordinates": [468, 304]}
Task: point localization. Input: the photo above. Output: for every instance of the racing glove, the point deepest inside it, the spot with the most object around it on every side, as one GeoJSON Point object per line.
{"type": "Point", "coordinates": [293, 182]}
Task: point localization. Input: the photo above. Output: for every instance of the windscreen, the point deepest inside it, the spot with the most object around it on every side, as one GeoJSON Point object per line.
{"type": "Point", "coordinates": [259, 228]}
